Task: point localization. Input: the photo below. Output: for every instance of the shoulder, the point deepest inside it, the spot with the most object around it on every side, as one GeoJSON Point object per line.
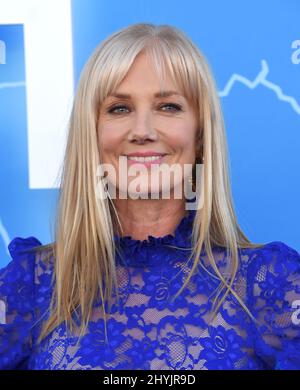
{"type": "Point", "coordinates": [25, 289]}
{"type": "Point", "coordinates": [271, 271]}
{"type": "Point", "coordinates": [273, 296]}
{"type": "Point", "coordinates": [22, 262]}
{"type": "Point", "coordinates": [28, 271]}
{"type": "Point", "coordinates": [275, 258]}
{"type": "Point", "coordinates": [27, 255]}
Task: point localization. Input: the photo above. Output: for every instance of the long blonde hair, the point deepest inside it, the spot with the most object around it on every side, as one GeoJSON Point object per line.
{"type": "Point", "coordinates": [84, 248]}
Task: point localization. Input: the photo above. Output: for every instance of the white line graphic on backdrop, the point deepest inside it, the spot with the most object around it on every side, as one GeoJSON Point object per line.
{"type": "Point", "coordinates": [260, 79]}
{"type": "Point", "coordinates": [4, 236]}
{"type": "Point", "coordinates": [2, 52]}
{"type": "Point", "coordinates": [15, 84]}
{"type": "Point", "coordinates": [49, 81]}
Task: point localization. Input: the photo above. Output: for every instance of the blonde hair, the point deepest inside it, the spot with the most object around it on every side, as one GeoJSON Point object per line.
{"type": "Point", "coordinates": [84, 248]}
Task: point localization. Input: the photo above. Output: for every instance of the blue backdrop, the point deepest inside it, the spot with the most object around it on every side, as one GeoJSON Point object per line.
{"type": "Point", "coordinates": [253, 48]}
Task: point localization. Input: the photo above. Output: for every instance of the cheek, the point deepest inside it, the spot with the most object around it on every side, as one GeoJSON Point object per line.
{"type": "Point", "coordinates": [109, 141]}
{"type": "Point", "coordinates": [183, 142]}
{"type": "Point", "coordinates": [182, 134]}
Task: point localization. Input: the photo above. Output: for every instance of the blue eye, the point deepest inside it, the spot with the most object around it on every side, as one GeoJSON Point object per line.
{"type": "Point", "coordinates": [112, 110]}
{"type": "Point", "coordinates": [174, 106]}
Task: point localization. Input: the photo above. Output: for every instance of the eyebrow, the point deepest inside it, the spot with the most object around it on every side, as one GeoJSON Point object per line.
{"type": "Point", "coordinates": [157, 94]}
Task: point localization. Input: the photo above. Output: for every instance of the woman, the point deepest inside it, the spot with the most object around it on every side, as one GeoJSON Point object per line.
{"type": "Point", "coordinates": [148, 283]}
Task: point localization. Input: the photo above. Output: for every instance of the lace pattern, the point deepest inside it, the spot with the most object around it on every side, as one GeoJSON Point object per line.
{"type": "Point", "coordinates": [148, 329]}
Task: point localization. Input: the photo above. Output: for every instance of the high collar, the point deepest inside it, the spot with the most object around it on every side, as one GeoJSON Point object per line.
{"type": "Point", "coordinates": [146, 252]}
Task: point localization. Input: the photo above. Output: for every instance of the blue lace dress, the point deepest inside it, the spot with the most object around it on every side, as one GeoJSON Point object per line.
{"type": "Point", "coordinates": [150, 331]}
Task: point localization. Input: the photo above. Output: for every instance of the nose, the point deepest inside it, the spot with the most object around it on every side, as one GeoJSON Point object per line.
{"type": "Point", "coordinates": [142, 129]}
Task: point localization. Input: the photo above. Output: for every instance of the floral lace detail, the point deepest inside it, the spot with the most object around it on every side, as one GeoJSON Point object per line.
{"type": "Point", "coordinates": [147, 329]}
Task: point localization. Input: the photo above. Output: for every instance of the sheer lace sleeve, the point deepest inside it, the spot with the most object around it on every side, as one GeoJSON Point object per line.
{"type": "Point", "coordinates": [17, 302]}
{"type": "Point", "coordinates": [274, 284]}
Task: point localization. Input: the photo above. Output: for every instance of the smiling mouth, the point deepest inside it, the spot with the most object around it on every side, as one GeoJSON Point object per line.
{"type": "Point", "coordinates": [147, 160]}
{"type": "Point", "coordinates": [144, 159]}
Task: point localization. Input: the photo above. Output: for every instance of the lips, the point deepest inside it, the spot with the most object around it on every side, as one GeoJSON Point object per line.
{"type": "Point", "coordinates": [147, 153]}
{"type": "Point", "coordinates": [146, 161]}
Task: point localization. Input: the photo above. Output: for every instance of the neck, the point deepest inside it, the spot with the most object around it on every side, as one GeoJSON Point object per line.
{"type": "Point", "coordinates": [143, 217]}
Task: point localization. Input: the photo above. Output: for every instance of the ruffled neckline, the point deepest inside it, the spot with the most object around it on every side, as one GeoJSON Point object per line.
{"type": "Point", "coordinates": [137, 252]}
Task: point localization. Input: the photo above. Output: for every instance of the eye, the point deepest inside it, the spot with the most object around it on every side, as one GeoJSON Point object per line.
{"type": "Point", "coordinates": [175, 107]}
{"type": "Point", "coordinates": [112, 109]}
{"type": "Point", "coordinates": [118, 109]}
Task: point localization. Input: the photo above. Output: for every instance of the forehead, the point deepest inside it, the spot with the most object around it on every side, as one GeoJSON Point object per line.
{"type": "Point", "coordinates": [147, 75]}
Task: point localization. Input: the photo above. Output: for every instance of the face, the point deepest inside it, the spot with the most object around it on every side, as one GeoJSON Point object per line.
{"type": "Point", "coordinates": [138, 121]}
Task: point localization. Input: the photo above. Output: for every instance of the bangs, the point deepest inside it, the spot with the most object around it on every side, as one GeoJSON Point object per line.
{"type": "Point", "coordinates": [168, 62]}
